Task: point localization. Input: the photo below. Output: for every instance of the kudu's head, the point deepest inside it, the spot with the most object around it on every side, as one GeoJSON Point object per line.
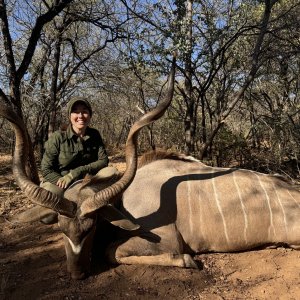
{"type": "Point", "coordinates": [77, 211]}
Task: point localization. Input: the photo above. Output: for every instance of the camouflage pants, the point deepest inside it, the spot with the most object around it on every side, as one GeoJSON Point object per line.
{"type": "Point", "coordinates": [52, 188]}
{"type": "Point", "coordinates": [51, 218]}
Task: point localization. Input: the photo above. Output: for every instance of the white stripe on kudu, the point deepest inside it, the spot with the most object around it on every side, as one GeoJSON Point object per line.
{"type": "Point", "coordinates": [271, 227]}
{"type": "Point", "coordinates": [220, 209]}
{"type": "Point", "coordinates": [282, 208]}
{"type": "Point", "coordinates": [242, 205]}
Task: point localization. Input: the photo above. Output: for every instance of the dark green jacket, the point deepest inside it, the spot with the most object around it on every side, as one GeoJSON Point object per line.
{"type": "Point", "coordinates": [65, 152]}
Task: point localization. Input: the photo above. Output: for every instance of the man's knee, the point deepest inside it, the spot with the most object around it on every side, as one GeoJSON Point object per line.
{"type": "Point", "coordinates": [53, 188]}
{"type": "Point", "coordinates": [51, 218]}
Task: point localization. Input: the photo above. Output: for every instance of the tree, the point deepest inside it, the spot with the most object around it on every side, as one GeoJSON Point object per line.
{"type": "Point", "coordinates": [274, 95]}
{"type": "Point", "coordinates": [221, 45]}
{"type": "Point", "coordinates": [61, 65]}
{"type": "Point", "coordinates": [16, 69]}
{"type": "Point", "coordinates": [73, 42]}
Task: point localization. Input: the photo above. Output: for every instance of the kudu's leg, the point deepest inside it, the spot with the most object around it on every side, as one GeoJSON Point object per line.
{"type": "Point", "coordinates": [137, 250]}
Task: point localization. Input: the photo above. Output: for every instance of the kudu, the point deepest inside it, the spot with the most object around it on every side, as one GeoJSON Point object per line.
{"type": "Point", "coordinates": [175, 205]}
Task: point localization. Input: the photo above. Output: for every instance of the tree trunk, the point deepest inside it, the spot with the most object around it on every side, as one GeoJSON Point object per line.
{"type": "Point", "coordinates": [53, 92]}
{"type": "Point", "coordinates": [189, 122]}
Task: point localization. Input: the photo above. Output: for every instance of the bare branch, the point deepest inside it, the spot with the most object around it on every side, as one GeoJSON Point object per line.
{"type": "Point", "coordinates": [7, 41]}
{"type": "Point", "coordinates": [35, 34]}
{"type": "Point", "coordinates": [255, 57]}
{"type": "Point", "coordinates": [3, 97]}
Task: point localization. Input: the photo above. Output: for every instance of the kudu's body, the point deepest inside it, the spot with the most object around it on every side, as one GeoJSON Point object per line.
{"type": "Point", "coordinates": [177, 206]}
{"type": "Point", "coordinates": [193, 208]}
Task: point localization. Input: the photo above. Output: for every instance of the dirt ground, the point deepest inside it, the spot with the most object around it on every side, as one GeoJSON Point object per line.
{"type": "Point", "coordinates": [33, 266]}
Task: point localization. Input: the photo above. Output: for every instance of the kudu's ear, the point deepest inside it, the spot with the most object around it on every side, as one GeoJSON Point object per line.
{"type": "Point", "coordinates": [107, 173]}
{"type": "Point", "coordinates": [102, 176]}
{"type": "Point", "coordinates": [37, 213]}
{"type": "Point", "coordinates": [116, 218]}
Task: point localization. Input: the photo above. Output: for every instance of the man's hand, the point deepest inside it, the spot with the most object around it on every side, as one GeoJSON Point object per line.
{"type": "Point", "coordinates": [65, 181]}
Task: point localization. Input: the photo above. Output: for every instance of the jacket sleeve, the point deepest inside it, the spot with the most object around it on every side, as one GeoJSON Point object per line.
{"type": "Point", "coordinates": [94, 167]}
{"type": "Point", "coordinates": [49, 164]}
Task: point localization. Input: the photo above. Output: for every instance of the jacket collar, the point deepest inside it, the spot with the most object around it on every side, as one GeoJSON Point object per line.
{"type": "Point", "coordinates": [72, 135]}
